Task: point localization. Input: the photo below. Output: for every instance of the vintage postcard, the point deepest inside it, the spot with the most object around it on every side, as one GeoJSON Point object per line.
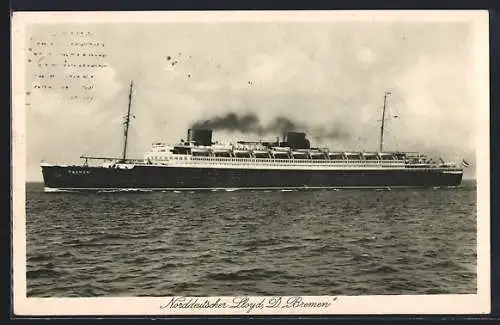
{"type": "Point", "coordinates": [250, 163]}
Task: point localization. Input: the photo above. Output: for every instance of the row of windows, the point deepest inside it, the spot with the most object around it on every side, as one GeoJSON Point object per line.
{"type": "Point", "coordinates": [166, 158]}
{"type": "Point", "coordinates": [300, 160]}
{"type": "Point", "coordinates": [286, 161]}
{"type": "Point", "coordinates": [295, 161]}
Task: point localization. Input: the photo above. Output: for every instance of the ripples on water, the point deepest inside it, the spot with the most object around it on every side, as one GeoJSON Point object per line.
{"type": "Point", "coordinates": [311, 242]}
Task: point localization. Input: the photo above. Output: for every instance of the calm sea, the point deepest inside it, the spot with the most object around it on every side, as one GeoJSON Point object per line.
{"type": "Point", "coordinates": [309, 242]}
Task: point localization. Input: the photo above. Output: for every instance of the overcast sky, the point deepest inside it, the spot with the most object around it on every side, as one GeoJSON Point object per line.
{"type": "Point", "coordinates": [327, 74]}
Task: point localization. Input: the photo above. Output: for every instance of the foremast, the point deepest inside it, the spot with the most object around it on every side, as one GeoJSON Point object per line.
{"type": "Point", "coordinates": [382, 124]}
{"type": "Point", "coordinates": [127, 122]}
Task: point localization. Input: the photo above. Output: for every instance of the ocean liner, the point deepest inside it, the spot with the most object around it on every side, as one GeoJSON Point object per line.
{"type": "Point", "coordinates": [198, 163]}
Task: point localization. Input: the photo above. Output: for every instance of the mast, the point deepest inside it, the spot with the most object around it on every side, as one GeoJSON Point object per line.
{"type": "Point", "coordinates": [381, 143]}
{"type": "Point", "coordinates": [127, 122]}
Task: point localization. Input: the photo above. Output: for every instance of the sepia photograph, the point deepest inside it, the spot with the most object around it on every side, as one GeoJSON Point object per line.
{"type": "Point", "coordinates": [250, 162]}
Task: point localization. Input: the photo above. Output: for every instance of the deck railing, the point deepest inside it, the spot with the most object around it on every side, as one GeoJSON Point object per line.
{"type": "Point", "coordinates": [314, 163]}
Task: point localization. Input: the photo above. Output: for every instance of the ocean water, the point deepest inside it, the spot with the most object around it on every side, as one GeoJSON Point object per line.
{"type": "Point", "coordinates": [309, 242]}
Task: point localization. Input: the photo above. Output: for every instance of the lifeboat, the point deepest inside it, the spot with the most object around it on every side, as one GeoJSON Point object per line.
{"type": "Point", "coordinates": [281, 149]}
{"type": "Point", "coordinates": [280, 154]}
{"type": "Point", "coordinates": [317, 155]}
{"type": "Point", "coordinates": [200, 152]}
{"type": "Point", "coordinates": [354, 155]}
{"type": "Point", "coordinates": [242, 153]}
{"type": "Point", "coordinates": [336, 156]}
{"type": "Point", "coordinates": [299, 155]}
{"type": "Point", "coordinates": [386, 156]}
{"type": "Point", "coordinates": [222, 152]}
{"type": "Point", "coordinates": [261, 154]}
{"type": "Point", "coordinates": [368, 156]}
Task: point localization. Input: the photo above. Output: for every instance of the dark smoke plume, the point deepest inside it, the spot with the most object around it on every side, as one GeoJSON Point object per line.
{"type": "Point", "coordinates": [250, 123]}
{"type": "Point", "coordinates": [231, 122]}
{"type": "Point", "coordinates": [283, 124]}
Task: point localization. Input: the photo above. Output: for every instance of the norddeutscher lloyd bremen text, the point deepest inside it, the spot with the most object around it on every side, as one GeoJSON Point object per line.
{"type": "Point", "coordinates": [287, 163]}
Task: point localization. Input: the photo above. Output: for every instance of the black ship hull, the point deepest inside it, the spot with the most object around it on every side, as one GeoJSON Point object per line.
{"type": "Point", "coordinates": [188, 178]}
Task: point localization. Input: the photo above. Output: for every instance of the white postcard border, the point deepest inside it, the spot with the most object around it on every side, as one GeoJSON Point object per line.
{"type": "Point", "coordinates": [398, 304]}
